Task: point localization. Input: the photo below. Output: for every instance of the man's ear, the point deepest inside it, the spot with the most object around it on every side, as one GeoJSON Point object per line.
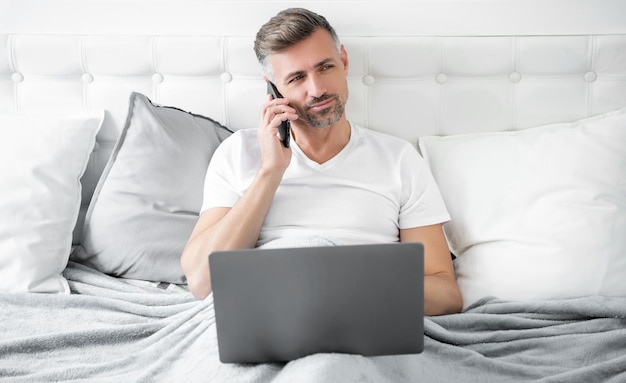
{"type": "Point", "coordinates": [344, 59]}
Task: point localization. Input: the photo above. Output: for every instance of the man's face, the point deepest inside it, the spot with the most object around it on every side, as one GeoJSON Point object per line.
{"type": "Point", "coordinates": [312, 76]}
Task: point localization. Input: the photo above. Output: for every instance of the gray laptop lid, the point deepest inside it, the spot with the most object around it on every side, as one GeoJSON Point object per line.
{"type": "Point", "coordinates": [275, 305]}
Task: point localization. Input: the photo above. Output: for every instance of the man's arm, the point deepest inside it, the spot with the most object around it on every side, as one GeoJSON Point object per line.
{"type": "Point", "coordinates": [441, 292]}
{"type": "Point", "coordinates": [225, 228]}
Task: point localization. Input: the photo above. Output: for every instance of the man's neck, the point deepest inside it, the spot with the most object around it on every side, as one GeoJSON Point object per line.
{"type": "Point", "coordinates": [322, 144]}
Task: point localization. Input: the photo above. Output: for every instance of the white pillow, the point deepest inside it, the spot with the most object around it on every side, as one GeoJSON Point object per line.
{"type": "Point", "coordinates": [538, 213]}
{"type": "Point", "coordinates": [41, 162]}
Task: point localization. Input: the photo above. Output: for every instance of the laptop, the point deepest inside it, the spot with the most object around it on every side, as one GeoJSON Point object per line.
{"type": "Point", "coordinates": [277, 305]}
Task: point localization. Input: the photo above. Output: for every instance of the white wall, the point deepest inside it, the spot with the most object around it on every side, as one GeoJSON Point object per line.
{"type": "Point", "coordinates": [417, 17]}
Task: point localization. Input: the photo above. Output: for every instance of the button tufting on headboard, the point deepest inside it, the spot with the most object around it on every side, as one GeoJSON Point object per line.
{"type": "Point", "coordinates": [441, 79]}
{"type": "Point", "coordinates": [226, 77]}
{"type": "Point", "coordinates": [368, 79]}
{"type": "Point", "coordinates": [591, 76]}
{"type": "Point", "coordinates": [515, 77]}
{"type": "Point", "coordinates": [157, 78]}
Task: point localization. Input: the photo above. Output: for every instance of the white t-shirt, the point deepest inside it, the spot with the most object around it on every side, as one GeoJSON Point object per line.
{"type": "Point", "coordinates": [375, 186]}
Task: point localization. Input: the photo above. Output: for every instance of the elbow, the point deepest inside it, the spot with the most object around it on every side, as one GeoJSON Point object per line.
{"type": "Point", "coordinates": [199, 283]}
{"type": "Point", "coordinates": [456, 306]}
{"type": "Point", "coordinates": [199, 290]}
{"type": "Point", "coordinates": [442, 296]}
{"type": "Point", "coordinates": [452, 305]}
{"type": "Point", "coordinates": [455, 300]}
{"type": "Point", "coordinates": [197, 275]}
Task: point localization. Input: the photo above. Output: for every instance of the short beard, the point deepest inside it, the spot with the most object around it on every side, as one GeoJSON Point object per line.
{"type": "Point", "coordinates": [325, 117]}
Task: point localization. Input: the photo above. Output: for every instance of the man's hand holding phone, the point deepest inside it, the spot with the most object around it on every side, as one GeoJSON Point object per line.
{"type": "Point", "coordinates": [275, 115]}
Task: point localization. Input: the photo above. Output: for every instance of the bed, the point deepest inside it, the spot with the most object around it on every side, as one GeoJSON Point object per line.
{"type": "Point", "coordinates": [110, 112]}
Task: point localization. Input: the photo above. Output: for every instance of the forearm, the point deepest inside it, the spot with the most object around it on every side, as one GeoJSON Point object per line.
{"type": "Point", "coordinates": [441, 295]}
{"type": "Point", "coordinates": [441, 292]}
{"type": "Point", "coordinates": [226, 229]}
{"type": "Point", "coordinates": [241, 226]}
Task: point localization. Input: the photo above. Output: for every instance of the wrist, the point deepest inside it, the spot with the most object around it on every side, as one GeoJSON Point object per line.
{"type": "Point", "coordinates": [272, 174]}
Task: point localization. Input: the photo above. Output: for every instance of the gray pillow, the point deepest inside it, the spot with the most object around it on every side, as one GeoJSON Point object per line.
{"type": "Point", "coordinates": [149, 196]}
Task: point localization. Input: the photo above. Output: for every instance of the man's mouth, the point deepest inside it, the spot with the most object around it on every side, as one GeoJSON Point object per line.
{"type": "Point", "coordinates": [322, 105]}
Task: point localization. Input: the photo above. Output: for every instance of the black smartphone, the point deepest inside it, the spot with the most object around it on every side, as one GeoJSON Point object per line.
{"type": "Point", "coordinates": [284, 130]}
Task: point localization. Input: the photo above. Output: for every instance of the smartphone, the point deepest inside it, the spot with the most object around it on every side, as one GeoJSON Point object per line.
{"type": "Point", "coordinates": [284, 130]}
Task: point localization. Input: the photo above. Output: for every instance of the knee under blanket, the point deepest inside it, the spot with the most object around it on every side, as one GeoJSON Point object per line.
{"type": "Point", "coordinates": [109, 330]}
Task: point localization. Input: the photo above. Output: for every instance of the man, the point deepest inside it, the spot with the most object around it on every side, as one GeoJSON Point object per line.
{"type": "Point", "coordinates": [337, 182]}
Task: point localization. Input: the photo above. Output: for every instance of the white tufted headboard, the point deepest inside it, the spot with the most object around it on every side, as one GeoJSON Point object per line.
{"type": "Point", "coordinates": [416, 67]}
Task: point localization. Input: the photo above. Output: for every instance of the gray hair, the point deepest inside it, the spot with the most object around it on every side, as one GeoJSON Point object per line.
{"type": "Point", "coordinates": [286, 29]}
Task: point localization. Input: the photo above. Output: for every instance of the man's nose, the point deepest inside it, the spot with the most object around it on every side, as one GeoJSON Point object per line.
{"type": "Point", "coordinates": [316, 87]}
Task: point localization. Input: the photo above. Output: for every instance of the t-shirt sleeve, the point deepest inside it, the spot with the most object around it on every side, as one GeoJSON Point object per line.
{"type": "Point", "coordinates": [422, 203]}
{"type": "Point", "coordinates": [220, 183]}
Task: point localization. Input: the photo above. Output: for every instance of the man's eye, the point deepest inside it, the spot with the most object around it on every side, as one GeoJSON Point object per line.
{"type": "Point", "coordinates": [295, 78]}
{"type": "Point", "coordinates": [327, 67]}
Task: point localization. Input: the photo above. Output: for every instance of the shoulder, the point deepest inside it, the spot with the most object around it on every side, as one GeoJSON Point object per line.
{"type": "Point", "coordinates": [396, 152]}
{"type": "Point", "coordinates": [383, 141]}
{"type": "Point", "coordinates": [241, 136]}
{"type": "Point", "coordinates": [240, 139]}
{"type": "Point", "coordinates": [374, 136]}
{"type": "Point", "coordinates": [239, 149]}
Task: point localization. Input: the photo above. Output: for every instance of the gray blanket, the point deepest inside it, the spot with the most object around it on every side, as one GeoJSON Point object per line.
{"type": "Point", "coordinates": [109, 330]}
